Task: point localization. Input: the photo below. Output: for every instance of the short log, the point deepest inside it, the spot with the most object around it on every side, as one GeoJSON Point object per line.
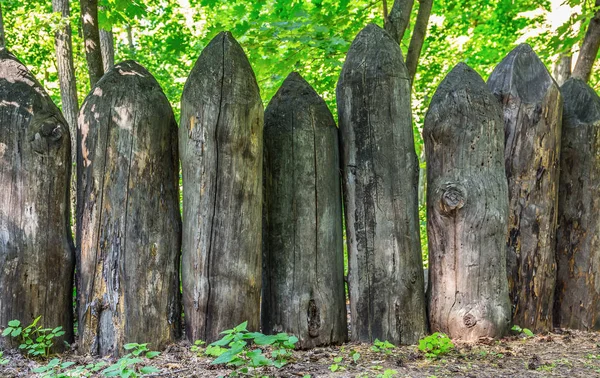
{"type": "Point", "coordinates": [129, 228]}
{"type": "Point", "coordinates": [578, 246]}
{"type": "Point", "coordinates": [37, 256]}
{"type": "Point", "coordinates": [532, 107]}
{"type": "Point", "coordinates": [467, 209]}
{"type": "Point", "coordinates": [380, 176]}
{"type": "Point", "coordinates": [221, 149]}
{"type": "Point", "coordinates": [303, 287]}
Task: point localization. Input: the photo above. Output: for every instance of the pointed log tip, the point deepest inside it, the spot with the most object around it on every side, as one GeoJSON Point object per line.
{"type": "Point", "coordinates": [581, 103]}
{"type": "Point", "coordinates": [460, 77]}
{"type": "Point", "coordinates": [293, 91]}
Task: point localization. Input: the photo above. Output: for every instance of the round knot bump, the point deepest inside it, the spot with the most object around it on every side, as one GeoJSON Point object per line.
{"type": "Point", "coordinates": [453, 198]}
{"type": "Point", "coordinates": [469, 320]}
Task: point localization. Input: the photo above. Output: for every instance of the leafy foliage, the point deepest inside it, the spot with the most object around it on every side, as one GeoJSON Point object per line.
{"type": "Point", "coordinates": [57, 369]}
{"type": "Point", "coordinates": [382, 346]}
{"type": "Point", "coordinates": [435, 345]}
{"type": "Point", "coordinates": [132, 364]}
{"type": "Point", "coordinates": [522, 331]}
{"type": "Point", "coordinates": [234, 349]}
{"type": "Point", "coordinates": [33, 339]}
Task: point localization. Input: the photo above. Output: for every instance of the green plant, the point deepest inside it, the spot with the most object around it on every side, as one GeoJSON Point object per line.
{"type": "Point", "coordinates": [234, 349]}
{"type": "Point", "coordinates": [3, 361]}
{"type": "Point", "coordinates": [129, 366]}
{"type": "Point", "coordinates": [33, 339]}
{"type": "Point", "coordinates": [435, 345]}
{"type": "Point", "coordinates": [197, 347]}
{"type": "Point", "coordinates": [522, 331]}
{"type": "Point", "coordinates": [337, 365]}
{"type": "Point", "coordinates": [388, 373]}
{"type": "Point", "coordinates": [355, 356]}
{"type": "Point", "coordinates": [56, 369]}
{"type": "Point", "coordinates": [382, 346]}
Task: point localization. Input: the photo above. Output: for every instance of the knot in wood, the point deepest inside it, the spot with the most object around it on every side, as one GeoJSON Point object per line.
{"type": "Point", "coordinates": [453, 198]}
{"type": "Point", "coordinates": [469, 320]}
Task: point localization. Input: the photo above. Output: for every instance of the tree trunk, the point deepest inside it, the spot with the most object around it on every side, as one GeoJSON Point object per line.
{"type": "Point", "coordinates": [107, 46]}
{"type": "Point", "coordinates": [91, 39]}
{"type": "Point", "coordinates": [220, 141]}
{"type": "Point", "coordinates": [562, 70]}
{"type": "Point", "coordinates": [589, 48]}
{"type": "Point", "coordinates": [303, 219]}
{"type": "Point", "coordinates": [130, 39]}
{"type": "Point", "coordinates": [467, 208]}
{"type": "Point", "coordinates": [129, 228]}
{"type": "Point", "coordinates": [418, 37]}
{"type": "Point", "coordinates": [398, 19]}
{"type": "Point", "coordinates": [578, 247]}
{"type": "Point", "coordinates": [36, 248]}
{"type": "Point", "coordinates": [2, 39]}
{"type": "Point", "coordinates": [380, 172]}
{"type": "Point", "coordinates": [532, 125]}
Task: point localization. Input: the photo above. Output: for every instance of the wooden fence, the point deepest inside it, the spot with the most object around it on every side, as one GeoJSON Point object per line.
{"type": "Point", "coordinates": [512, 216]}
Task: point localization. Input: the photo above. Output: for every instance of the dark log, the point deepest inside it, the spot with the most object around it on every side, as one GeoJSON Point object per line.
{"type": "Point", "coordinates": [532, 107]}
{"type": "Point", "coordinates": [221, 148]}
{"type": "Point", "coordinates": [37, 256]}
{"type": "Point", "coordinates": [380, 174]}
{"type": "Point", "coordinates": [578, 247]}
{"type": "Point", "coordinates": [129, 228]}
{"type": "Point", "coordinates": [303, 261]}
{"type": "Point", "coordinates": [467, 209]}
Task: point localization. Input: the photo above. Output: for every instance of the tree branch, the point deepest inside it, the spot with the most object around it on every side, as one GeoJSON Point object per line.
{"type": "Point", "coordinates": [397, 20]}
{"type": "Point", "coordinates": [91, 39]}
{"type": "Point", "coordinates": [418, 37]}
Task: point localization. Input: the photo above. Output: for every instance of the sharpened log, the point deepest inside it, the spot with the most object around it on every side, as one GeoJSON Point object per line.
{"type": "Point", "coordinates": [129, 229]}
{"type": "Point", "coordinates": [467, 209]}
{"type": "Point", "coordinates": [380, 175]}
{"type": "Point", "coordinates": [532, 107]}
{"type": "Point", "coordinates": [221, 149]}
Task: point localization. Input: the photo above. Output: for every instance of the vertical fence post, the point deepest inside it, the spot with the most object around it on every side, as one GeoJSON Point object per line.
{"type": "Point", "coordinates": [220, 143]}
{"type": "Point", "coordinates": [303, 290]}
{"type": "Point", "coordinates": [380, 174]}
{"type": "Point", "coordinates": [129, 228]}
{"type": "Point", "coordinates": [467, 209]}
{"type": "Point", "coordinates": [532, 107]}
{"type": "Point", "coordinates": [578, 246]}
{"type": "Point", "coordinates": [36, 247]}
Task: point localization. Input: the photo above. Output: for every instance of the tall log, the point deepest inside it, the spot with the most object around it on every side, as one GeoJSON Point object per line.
{"type": "Point", "coordinates": [467, 209]}
{"type": "Point", "coordinates": [221, 148]}
{"type": "Point", "coordinates": [36, 248]}
{"type": "Point", "coordinates": [578, 247]}
{"type": "Point", "coordinates": [380, 174]}
{"type": "Point", "coordinates": [129, 228]}
{"type": "Point", "coordinates": [532, 107]}
{"type": "Point", "coordinates": [303, 288]}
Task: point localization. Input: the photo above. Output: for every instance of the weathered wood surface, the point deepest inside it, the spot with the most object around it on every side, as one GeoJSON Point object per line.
{"type": "Point", "coordinates": [221, 149]}
{"type": "Point", "coordinates": [532, 107]}
{"type": "Point", "coordinates": [303, 262]}
{"type": "Point", "coordinates": [129, 229]}
{"type": "Point", "coordinates": [578, 246]}
{"type": "Point", "coordinates": [380, 174]}
{"type": "Point", "coordinates": [467, 209]}
{"type": "Point", "coordinates": [36, 248]}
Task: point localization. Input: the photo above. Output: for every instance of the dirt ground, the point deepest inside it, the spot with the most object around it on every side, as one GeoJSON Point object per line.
{"type": "Point", "coordinates": [564, 353]}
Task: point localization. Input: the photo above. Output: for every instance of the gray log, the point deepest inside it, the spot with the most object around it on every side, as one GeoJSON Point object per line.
{"type": "Point", "coordinates": [303, 261]}
{"type": "Point", "coordinates": [578, 246]}
{"type": "Point", "coordinates": [380, 173]}
{"type": "Point", "coordinates": [220, 141]}
{"type": "Point", "coordinates": [532, 107]}
{"type": "Point", "coordinates": [36, 248]}
{"type": "Point", "coordinates": [467, 209]}
{"type": "Point", "coordinates": [129, 228]}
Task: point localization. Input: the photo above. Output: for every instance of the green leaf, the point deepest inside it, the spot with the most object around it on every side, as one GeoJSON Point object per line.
{"type": "Point", "coordinates": [130, 346]}
{"type": "Point", "coordinates": [149, 370]}
{"type": "Point", "coordinates": [151, 355]}
{"type": "Point", "coordinates": [528, 332]}
{"type": "Point", "coordinates": [7, 331]}
{"type": "Point", "coordinates": [14, 323]}
{"type": "Point", "coordinates": [16, 332]}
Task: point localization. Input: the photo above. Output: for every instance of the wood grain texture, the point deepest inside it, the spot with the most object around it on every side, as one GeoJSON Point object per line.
{"type": "Point", "coordinates": [129, 228]}
{"type": "Point", "coordinates": [532, 108]}
{"type": "Point", "coordinates": [467, 209]}
{"type": "Point", "coordinates": [380, 174]}
{"type": "Point", "coordinates": [36, 248]}
{"type": "Point", "coordinates": [221, 148]}
{"type": "Point", "coordinates": [578, 247]}
{"type": "Point", "coordinates": [303, 262]}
